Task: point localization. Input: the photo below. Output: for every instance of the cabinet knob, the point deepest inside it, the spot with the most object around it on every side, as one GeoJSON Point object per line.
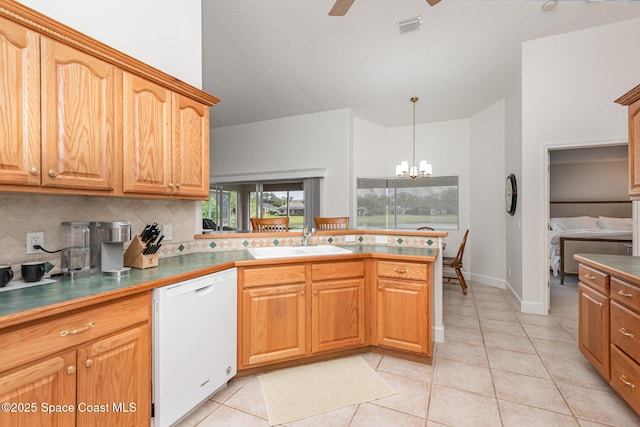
{"type": "Point", "coordinates": [302, 293]}
{"type": "Point", "coordinates": [177, 185]}
{"type": "Point", "coordinates": [170, 185]}
{"type": "Point", "coordinates": [34, 171]}
{"type": "Point", "coordinates": [88, 363]}
{"type": "Point", "coordinates": [52, 173]}
{"type": "Point", "coordinates": [625, 294]}
{"type": "Point", "coordinates": [71, 370]}
{"type": "Point", "coordinates": [381, 288]}
{"type": "Point", "coordinates": [315, 292]}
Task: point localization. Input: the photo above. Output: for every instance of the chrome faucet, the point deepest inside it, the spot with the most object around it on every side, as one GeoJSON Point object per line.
{"type": "Point", "coordinates": [306, 233]}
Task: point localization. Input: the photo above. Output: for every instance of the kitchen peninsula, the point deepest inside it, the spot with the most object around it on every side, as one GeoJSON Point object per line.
{"type": "Point", "coordinates": [107, 320]}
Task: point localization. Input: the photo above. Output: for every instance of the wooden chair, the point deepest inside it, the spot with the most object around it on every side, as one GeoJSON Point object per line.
{"type": "Point", "coordinates": [426, 228]}
{"type": "Point", "coordinates": [335, 223]}
{"type": "Point", "coordinates": [455, 263]}
{"type": "Point", "coordinates": [270, 224]}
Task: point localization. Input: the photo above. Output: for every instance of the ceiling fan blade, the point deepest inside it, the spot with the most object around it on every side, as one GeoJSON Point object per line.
{"type": "Point", "coordinates": [341, 7]}
{"type": "Point", "coordinates": [433, 2]}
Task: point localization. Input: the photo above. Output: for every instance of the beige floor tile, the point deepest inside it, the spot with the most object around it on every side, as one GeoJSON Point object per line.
{"type": "Point", "coordinates": [372, 359]}
{"type": "Point", "coordinates": [249, 399]}
{"type": "Point", "coordinates": [536, 392]}
{"type": "Point", "coordinates": [519, 363]}
{"type": "Point", "coordinates": [576, 372]}
{"type": "Point", "coordinates": [224, 416]}
{"type": "Point", "coordinates": [452, 319]}
{"type": "Point", "coordinates": [508, 342]}
{"type": "Point", "coordinates": [537, 319]}
{"type": "Point", "coordinates": [233, 386]}
{"type": "Point", "coordinates": [516, 415]}
{"type": "Point", "coordinates": [506, 315]}
{"type": "Point", "coordinates": [412, 396]}
{"type": "Point", "coordinates": [586, 423]}
{"type": "Point", "coordinates": [199, 414]}
{"type": "Point", "coordinates": [553, 349]}
{"type": "Point", "coordinates": [502, 327]}
{"type": "Point", "coordinates": [600, 406]}
{"type": "Point", "coordinates": [461, 352]}
{"type": "Point", "coordinates": [501, 304]}
{"type": "Point", "coordinates": [339, 418]}
{"type": "Point", "coordinates": [461, 309]}
{"type": "Point", "coordinates": [458, 375]}
{"type": "Point", "coordinates": [464, 335]}
{"type": "Point", "coordinates": [369, 415]}
{"type": "Point", "coordinates": [557, 333]}
{"type": "Point", "coordinates": [461, 408]}
{"type": "Point", "coordinates": [406, 368]}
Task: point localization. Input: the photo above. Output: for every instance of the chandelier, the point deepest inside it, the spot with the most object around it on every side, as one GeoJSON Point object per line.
{"type": "Point", "coordinates": [424, 168]}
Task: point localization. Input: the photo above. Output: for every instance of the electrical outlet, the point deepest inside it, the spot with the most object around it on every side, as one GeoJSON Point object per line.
{"type": "Point", "coordinates": [34, 239]}
{"type": "Point", "coordinates": [382, 240]}
{"type": "Point", "coordinates": [167, 230]}
{"type": "Point", "coordinates": [349, 238]}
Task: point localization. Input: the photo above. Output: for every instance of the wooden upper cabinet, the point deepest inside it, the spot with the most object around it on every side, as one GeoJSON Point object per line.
{"type": "Point", "coordinates": [147, 158]}
{"type": "Point", "coordinates": [80, 119]}
{"type": "Point", "coordinates": [19, 105]}
{"type": "Point", "coordinates": [634, 150]}
{"type": "Point", "coordinates": [190, 147]}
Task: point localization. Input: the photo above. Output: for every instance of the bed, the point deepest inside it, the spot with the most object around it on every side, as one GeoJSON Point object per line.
{"type": "Point", "coordinates": [587, 227]}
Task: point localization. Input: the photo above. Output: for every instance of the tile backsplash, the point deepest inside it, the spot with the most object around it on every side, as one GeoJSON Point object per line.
{"type": "Point", "coordinates": [24, 213]}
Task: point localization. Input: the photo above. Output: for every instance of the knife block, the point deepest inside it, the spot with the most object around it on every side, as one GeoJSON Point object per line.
{"type": "Point", "coordinates": [133, 256]}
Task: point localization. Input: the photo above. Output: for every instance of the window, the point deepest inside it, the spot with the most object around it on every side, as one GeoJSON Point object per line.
{"type": "Point", "coordinates": [407, 204]}
{"type": "Point", "coordinates": [231, 205]}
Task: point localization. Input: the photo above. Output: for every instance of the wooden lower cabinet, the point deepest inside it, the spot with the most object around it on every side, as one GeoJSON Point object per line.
{"type": "Point", "coordinates": [98, 380]}
{"type": "Point", "coordinates": [593, 328]}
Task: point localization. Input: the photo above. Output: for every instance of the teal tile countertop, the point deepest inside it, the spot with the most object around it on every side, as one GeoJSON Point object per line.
{"type": "Point", "coordinates": [169, 270]}
{"type": "Point", "coordinates": [628, 266]}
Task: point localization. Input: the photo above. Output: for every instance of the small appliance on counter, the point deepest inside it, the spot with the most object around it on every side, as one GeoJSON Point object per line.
{"type": "Point", "coordinates": [74, 238]}
{"type": "Point", "coordinates": [107, 246]}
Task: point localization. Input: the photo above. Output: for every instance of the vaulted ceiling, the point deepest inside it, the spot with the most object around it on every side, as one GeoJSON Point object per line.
{"type": "Point", "coordinates": [279, 58]}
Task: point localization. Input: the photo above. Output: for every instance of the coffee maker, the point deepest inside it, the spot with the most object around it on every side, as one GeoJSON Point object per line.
{"type": "Point", "coordinates": [107, 247]}
{"type": "Point", "coordinates": [74, 238]}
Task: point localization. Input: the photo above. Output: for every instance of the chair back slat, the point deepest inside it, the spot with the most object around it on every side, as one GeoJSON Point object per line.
{"type": "Point", "coordinates": [332, 223]}
{"type": "Point", "coordinates": [270, 224]}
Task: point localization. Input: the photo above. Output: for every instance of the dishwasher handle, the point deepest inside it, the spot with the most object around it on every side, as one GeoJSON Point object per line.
{"type": "Point", "coordinates": [205, 290]}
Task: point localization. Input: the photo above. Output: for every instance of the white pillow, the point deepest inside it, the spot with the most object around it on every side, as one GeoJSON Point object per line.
{"type": "Point", "coordinates": [574, 223]}
{"type": "Point", "coordinates": [607, 223]}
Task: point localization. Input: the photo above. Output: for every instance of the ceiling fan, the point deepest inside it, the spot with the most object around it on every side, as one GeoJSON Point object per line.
{"type": "Point", "coordinates": [341, 7]}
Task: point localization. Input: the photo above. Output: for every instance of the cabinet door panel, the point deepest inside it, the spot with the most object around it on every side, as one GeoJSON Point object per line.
{"type": "Point", "coordinates": [191, 147]}
{"type": "Point", "coordinates": [147, 137]}
{"type": "Point", "coordinates": [114, 380]}
{"type": "Point", "coordinates": [338, 315]}
{"type": "Point", "coordinates": [19, 105]}
{"type": "Point", "coordinates": [50, 382]}
{"type": "Point", "coordinates": [78, 93]}
{"type": "Point", "coordinates": [593, 335]}
{"type": "Point", "coordinates": [273, 323]}
{"type": "Point", "coordinates": [403, 315]}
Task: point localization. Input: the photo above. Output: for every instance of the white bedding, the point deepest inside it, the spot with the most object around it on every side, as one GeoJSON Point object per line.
{"type": "Point", "coordinates": [554, 241]}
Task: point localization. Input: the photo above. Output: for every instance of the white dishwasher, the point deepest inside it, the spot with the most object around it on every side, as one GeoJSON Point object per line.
{"type": "Point", "coordinates": [194, 342]}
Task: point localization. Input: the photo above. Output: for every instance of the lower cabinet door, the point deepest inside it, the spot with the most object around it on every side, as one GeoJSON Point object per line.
{"type": "Point", "coordinates": [273, 324]}
{"type": "Point", "coordinates": [114, 380]}
{"type": "Point", "coordinates": [403, 320]}
{"type": "Point", "coordinates": [593, 335]}
{"type": "Point", "coordinates": [40, 394]}
{"type": "Point", "coordinates": [337, 315]}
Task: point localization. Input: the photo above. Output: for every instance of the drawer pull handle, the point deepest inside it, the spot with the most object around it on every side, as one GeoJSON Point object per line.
{"type": "Point", "coordinates": [592, 300]}
{"type": "Point", "coordinates": [590, 277]}
{"type": "Point", "coordinates": [71, 370]}
{"type": "Point", "coordinates": [625, 294]}
{"type": "Point", "coordinates": [88, 363]}
{"type": "Point", "coordinates": [78, 331]}
{"type": "Point", "coordinates": [401, 270]}
{"type": "Point", "coordinates": [626, 382]}
{"type": "Point", "coordinates": [624, 332]}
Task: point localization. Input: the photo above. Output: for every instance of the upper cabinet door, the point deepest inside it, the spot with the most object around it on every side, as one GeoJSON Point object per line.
{"type": "Point", "coordinates": [19, 105]}
{"type": "Point", "coordinates": [147, 155]}
{"type": "Point", "coordinates": [190, 147]}
{"type": "Point", "coordinates": [79, 118]}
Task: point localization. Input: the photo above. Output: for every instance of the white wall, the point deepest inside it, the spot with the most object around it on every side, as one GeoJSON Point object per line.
{"type": "Point", "coordinates": [569, 84]}
{"type": "Point", "coordinates": [288, 147]}
{"type": "Point", "coordinates": [165, 34]}
{"type": "Point", "coordinates": [487, 219]}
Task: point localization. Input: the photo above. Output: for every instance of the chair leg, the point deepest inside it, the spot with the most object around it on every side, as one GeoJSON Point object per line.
{"type": "Point", "coordinates": [463, 283]}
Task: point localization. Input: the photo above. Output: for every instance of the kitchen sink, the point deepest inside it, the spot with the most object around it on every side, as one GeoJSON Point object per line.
{"type": "Point", "coordinates": [296, 251]}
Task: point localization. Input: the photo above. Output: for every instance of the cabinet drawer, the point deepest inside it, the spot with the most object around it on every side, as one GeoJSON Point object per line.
{"type": "Point", "coordinates": [337, 270]}
{"type": "Point", "coordinates": [280, 275]}
{"type": "Point", "coordinates": [625, 293]}
{"type": "Point", "coordinates": [28, 343]}
{"type": "Point", "coordinates": [625, 377]}
{"type": "Point", "coordinates": [625, 330]}
{"type": "Point", "coordinates": [403, 270]}
{"type": "Point", "coordinates": [593, 278]}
